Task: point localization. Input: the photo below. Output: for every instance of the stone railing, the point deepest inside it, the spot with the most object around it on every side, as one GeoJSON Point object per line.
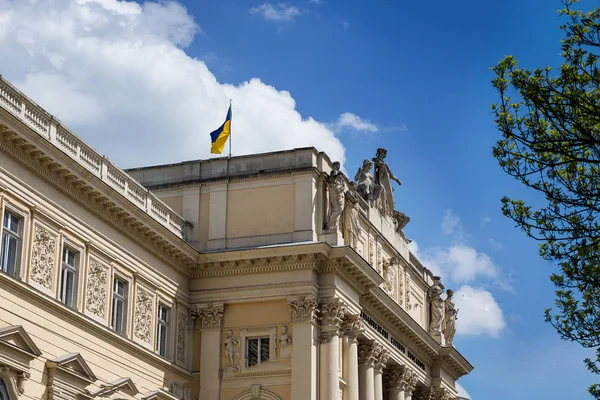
{"type": "Point", "coordinates": [32, 115]}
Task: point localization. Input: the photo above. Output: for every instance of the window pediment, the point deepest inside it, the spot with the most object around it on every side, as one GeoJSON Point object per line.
{"type": "Point", "coordinates": [124, 385]}
{"type": "Point", "coordinates": [15, 336]}
{"type": "Point", "coordinates": [159, 394]}
{"type": "Point", "coordinates": [74, 364]}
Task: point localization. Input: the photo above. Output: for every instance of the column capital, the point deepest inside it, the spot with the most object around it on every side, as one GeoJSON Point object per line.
{"type": "Point", "coordinates": [352, 326]}
{"type": "Point", "coordinates": [368, 351]}
{"type": "Point", "coordinates": [304, 309]}
{"type": "Point", "coordinates": [325, 337]}
{"type": "Point", "coordinates": [210, 315]}
{"type": "Point", "coordinates": [423, 393]}
{"type": "Point", "coordinates": [399, 376]}
{"type": "Point", "coordinates": [440, 394]}
{"type": "Point", "coordinates": [382, 360]}
{"type": "Point", "coordinates": [331, 311]}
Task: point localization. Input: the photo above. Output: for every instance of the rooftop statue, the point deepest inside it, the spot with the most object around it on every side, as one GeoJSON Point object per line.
{"type": "Point", "coordinates": [365, 180]}
{"type": "Point", "coordinates": [337, 192]}
{"type": "Point", "coordinates": [381, 190]}
{"type": "Point", "coordinates": [450, 317]}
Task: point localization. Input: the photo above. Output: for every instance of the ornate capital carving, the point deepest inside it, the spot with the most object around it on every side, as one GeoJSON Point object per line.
{"type": "Point", "coordinates": [399, 376]}
{"type": "Point", "coordinates": [423, 393]}
{"type": "Point", "coordinates": [304, 309]}
{"type": "Point", "coordinates": [440, 394]}
{"type": "Point", "coordinates": [369, 351]}
{"type": "Point", "coordinates": [325, 337]}
{"type": "Point", "coordinates": [332, 311]}
{"type": "Point", "coordinates": [211, 316]}
{"type": "Point", "coordinates": [352, 326]}
{"type": "Point", "coordinates": [382, 360]}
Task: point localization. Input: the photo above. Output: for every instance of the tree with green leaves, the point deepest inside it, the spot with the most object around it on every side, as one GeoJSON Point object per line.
{"type": "Point", "coordinates": [550, 126]}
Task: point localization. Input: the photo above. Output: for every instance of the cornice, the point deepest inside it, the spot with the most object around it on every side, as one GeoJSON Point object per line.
{"type": "Point", "coordinates": [40, 157]}
{"type": "Point", "coordinates": [455, 361]}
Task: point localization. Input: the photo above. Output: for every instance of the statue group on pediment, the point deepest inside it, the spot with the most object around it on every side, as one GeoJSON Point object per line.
{"type": "Point", "coordinates": [443, 313]}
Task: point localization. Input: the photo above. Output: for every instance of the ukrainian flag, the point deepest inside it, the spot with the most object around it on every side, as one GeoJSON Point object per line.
{"type": "Point", "coordinates": [220, 136]}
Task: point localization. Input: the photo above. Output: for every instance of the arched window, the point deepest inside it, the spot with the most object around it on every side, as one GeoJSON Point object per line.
{"type": "Point", "coordinates": [3, 391]}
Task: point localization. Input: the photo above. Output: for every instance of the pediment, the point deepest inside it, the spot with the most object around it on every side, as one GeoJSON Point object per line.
{"type": "Point", "coordinates": [16, 337]}
{"type": "Point", "coordinates": [124, 385]}
{"type": "Point", "coordinates": [74, 363]}
{"type": "Point", "coordinates": [159, 394]}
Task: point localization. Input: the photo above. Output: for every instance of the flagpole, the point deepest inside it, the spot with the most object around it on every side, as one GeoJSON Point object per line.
{"type": "Point", "coordinates": [230, 131]}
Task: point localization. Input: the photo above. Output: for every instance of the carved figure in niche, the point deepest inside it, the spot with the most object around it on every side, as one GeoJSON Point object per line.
{"type": "Point", "coordinates": [337, 190]}
{"type": "Point", "coordinates": [365, 180]}
{"type": "Point", "coordinates": [351, 228]}
{"type": "Point", "coordinates": [382, 191]}
{"type": "Point", "coordinates": [285, 339]}
{"type": "Point", "coordinates": [231, 344]}
{"type": "Point", "coordinates": [437, 306]}
{"type": "Point", "coordinates": [389, 274]}
{"type": "Point", "coordinates": [450, 317]}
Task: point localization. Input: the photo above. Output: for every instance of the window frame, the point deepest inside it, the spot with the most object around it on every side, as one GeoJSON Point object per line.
{"type": "Point", "coordinates": [8, 233]}
{"type": "Point", "coordinates": [124, 298]}
{"type": "Point", "coordinates": [166, 325]}
{"type": "Point", "coordinates": [259, 350]}
{"type": "Point", "coordinates": [271, 333]}
{"type": "Point", "coordinates": [74, 269]}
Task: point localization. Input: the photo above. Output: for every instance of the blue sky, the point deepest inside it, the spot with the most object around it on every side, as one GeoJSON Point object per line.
{"type": "Point", "coordinates": [413, 77]}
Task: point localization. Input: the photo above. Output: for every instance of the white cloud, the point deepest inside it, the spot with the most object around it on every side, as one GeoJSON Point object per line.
{"type": "Point", "coordinates": [116, 73]}
{"type": "Point", "coordinates": [350, 121]}
{"type": "Point", "coordinates": [485, 221]}
{"type": "Point", "coordinates": [450, 223]}
{"type": "Point", "coordinates": [494, 244]}
{"type": "Point", "coordinates": [479, 313]}
{"type": "Point", "coordinates": [276, 12]}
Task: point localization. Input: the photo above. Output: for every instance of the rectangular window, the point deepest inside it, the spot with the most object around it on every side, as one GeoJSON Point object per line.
{"type": "Point", "coordinates": [162, 333]}
{"type": "Point", "coordinates": [119, 306]}
{"type": "Point", "coordinates": [257, 350]}
{"type": "Point", "coordinates": [9, 248]}
{"type": "Point", "coordinates": [68, 277]}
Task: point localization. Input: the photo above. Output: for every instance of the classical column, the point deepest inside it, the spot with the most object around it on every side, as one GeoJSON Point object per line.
{"type": "Point", "coordinates": [331, 313]}
{"type": "Point", "coordinates": [368, 354]}
{"type": "Point", "coordinates": [423, 393]}
{"type": "Point", "coordinates": [352, 326]}
{"type": "Point", "coordinates": [304, 348]}
{"type": "Point", "coordinates": [378, 373]}
{"type": "Point", "coordinates": [210, 320]}
{"type": "Point", "coordinates": [411, 384]}
{"type": "Point", "coordinates": [397, 380]}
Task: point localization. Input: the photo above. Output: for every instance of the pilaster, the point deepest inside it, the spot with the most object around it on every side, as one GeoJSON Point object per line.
{"type": "Point", "coordinates": [331, 313]}
{"type": "Point", "coordinates": [209, 318]}
{"type": "Point", "coordinates": [304, 351]}
{"type": "Point", "coordinates": [351, 327]}
{"type": "Point", "coordinates": [368, 354]}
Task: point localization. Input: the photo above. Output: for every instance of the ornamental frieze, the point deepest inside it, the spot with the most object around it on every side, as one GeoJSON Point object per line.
{"type": "Point", "coordinates": [182, 327]}
{"type": "Point", "coordinates": [96, 289]}
{"type": "Point", "coordinates": [43, 257]}
{"type": "Point", "coordinates": [143, 315]}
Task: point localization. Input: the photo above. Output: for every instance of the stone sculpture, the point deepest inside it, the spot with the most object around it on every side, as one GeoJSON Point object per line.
{"type": "Point", "coordinates": [365, 180]}
{"type": "Point", "coordinates": [382, 191]}
{"type": "Point", "coordinates": [437, 307]}
{"type": "Point", "coordinates": [389, 274]}
{"type": "Point", "coordinates": [230, 344]}
{"type": "Point", "coordinates": [401, 220]}
{"type": "Point", "coordinates": [351, 214]}
{"type": "Point", "coordinates": [337, 191]}
{"type": "Point", "coordinates": [450, 317]}
{"type": "Point", "coordinates": [285, 339]}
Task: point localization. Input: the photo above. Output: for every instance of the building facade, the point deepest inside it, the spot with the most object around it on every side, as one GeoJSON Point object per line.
{"type": "Point", "coordinates": [268, 276]}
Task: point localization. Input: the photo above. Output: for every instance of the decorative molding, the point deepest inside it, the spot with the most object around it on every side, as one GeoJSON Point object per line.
{"type": "Point", "coordinates": [265, 264]}
{"type": "Point", "coordinates": [15, 336]}
{"type": "Point", "coordinates": [143, 315]}
{"type": "Point", "coordinates": [210, 316]}
{"type": "Point", "coordinates": [304, 309]}
{"type": "Point", "coordinates": [96, 288]}
{"type": "Point", "coordinates": [124, 385]}
{"type": "Point", "coordinates": [14, 380]}
{"type": "Point", "coordinates": [161, 394]}
{"type": "Point", "coordinates": [73, 364]}
{"type": "Point", "coordinates": [257, 392]}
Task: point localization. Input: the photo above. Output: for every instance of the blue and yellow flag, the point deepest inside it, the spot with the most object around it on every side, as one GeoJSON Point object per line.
{"type": "Point", "coordinates": [220, 136]}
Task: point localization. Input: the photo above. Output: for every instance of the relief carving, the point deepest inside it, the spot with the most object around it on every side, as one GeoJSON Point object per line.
{"type": "Point", "coordinates": [369, 351]}
{"type": "Point", "coordinates": [182, 326]}
{"type": "Point", "coordinates": [304, 309]}
{"type": "Point", "coordinates": [43, 257]}
{"type": "Point", "coordinates": [352, 326]}
{"type": "Point", "coordinates": [285, 339]}
{"type": "Point", "coordinates": [211, 316]}
{"type": "Point", "coordinates": [143, 315]}
{"type": "Point", "coordinates": [231, 344]}
{"type": "Point", "coordinates": [332, 311]}
{"type": "Point", "coordinates": [389, 274]}
{"type": "Point", "coordinates": [96, 289]}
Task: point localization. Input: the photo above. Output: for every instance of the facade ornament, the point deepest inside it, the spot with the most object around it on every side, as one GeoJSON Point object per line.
{"type": "Point", "coordinates": [143, 315]}
{"type": "Point", "coordinates": [436, 308]}
{"type": "Point", "coordinates": [352, 326]}
{"type": "Point", "coordinates": [325, 337]}
{"type": "Point", "coordinates": [411, 383]}
{"type": "Point", "coordinates": [182, 327]}
{"type": "Point", "coordinates": [331, 312]}
{"type": "Point", "coordinates": [351, 217]}
{"type": "Point", "coordinates": [211, 316]}
{"type": "Point", "coordinates": [389, 275]}
{"type": "Point", "coordinates": [440, 394]}
{"type": "Point", "coordinates": [43, 257]}
{"type": "Point", "coordinates": [96, 289]}
{"type": "Point", "coordinates": [383, 193]}
{"type": "Point", "coordinates": [423, 393]}
{"type": "Point", "coordinates": [382, 360]}
{"type": "Point", "coordinates": [304, 309]}
{"type": "Point", "coordinates": [368, 351]}
{"type": "Point", "coordinates": [401, 220]}
{"type": "Point", "coordinates": [285, 339]}
{"type": "Point", "coordinates": [365, 181]}
{"type": "Point", "coordinates": [398, 376]}
{"type": "Point", "coordinates": [450, 317]}
{"type": "Point", "coordinates": [337, 190]}
{"type": "Point", "coordinates": [231, 344]}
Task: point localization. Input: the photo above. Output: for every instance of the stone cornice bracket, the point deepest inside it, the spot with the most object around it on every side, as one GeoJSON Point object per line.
{"type": "Point", "coordinates": [304, 309]}
{"type": "Point", "coordinates": [210, 316]}
{"type": "Point", "coordinates": [382, 360]}
{"type": "Point", "coordinates": [352, 326]}
{"type": "Point", "coordinates": [331, 312]}
{"type": "Point", "coordinates": [369, 351]}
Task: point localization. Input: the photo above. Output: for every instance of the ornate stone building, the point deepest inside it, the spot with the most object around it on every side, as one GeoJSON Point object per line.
{"type": "Point", "coordinates": [268, 276]}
